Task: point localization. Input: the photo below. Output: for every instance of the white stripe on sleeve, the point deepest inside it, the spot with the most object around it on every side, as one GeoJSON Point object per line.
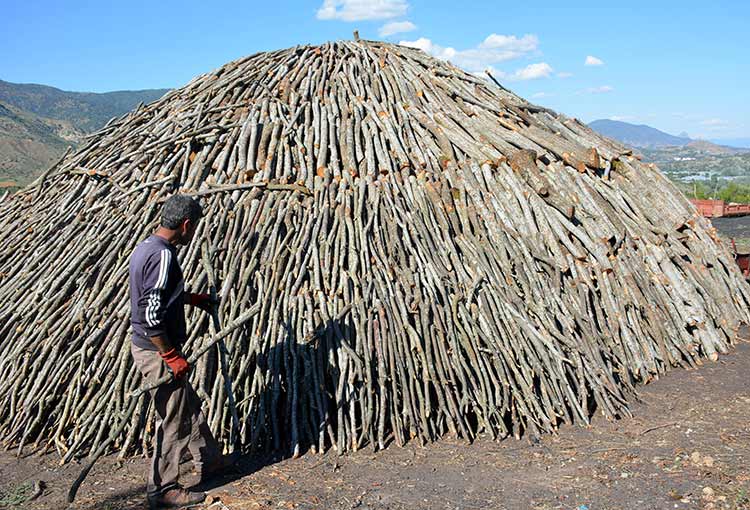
{"type": "Point", "coordinates": [154, 300]}
{"type": "Point", "coordinates": [166, 257]}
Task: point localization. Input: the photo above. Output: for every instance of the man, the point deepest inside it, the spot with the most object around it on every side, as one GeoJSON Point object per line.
{"type": "Point", "coordinates": [157, 298]}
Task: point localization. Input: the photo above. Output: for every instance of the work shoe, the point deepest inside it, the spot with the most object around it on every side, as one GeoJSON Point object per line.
{"type": "Point", "coordinates": [175, 498]}
{"type": "Point", "coordinates": [218, 467]}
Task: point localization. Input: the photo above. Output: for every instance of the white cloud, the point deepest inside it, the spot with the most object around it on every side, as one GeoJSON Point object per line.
{"type": "Point", "coordinates": [714, 123]}
{"type": "Point", "coordinates": [423, 44]}
{"type": "Point", "coordinates": [494, 49]}
{"type": "Point", "coordinates": [533, 72]}
{"type": "Point", "coordinates": [530, 72]}
{"type": "Point", "coordinates": [593, 61]}
{"type": "Point", "coordinates": [598, 90]}
{"type": "Point", "coordinates": [564, 75]}
{"type": "Point", "coordinates": [357, 10]}
{"type": "Point", "coordinates": [396, 27]}
{"type": "Point", "coordinates": [541, 95]}
{"type": "Point", "coordinates": [528, 42]}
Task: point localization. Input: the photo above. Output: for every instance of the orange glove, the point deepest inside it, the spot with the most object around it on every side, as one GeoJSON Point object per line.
{"type": "Point", "coordinates": [176, 363]}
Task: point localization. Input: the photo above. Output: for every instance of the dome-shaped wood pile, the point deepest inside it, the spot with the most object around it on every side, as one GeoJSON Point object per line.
{"type": "Point", "coordinates": [466, 262]}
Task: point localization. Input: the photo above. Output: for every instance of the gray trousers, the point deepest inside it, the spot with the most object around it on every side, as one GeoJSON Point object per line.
{"type": "Point", "coordinates": [180, 424]}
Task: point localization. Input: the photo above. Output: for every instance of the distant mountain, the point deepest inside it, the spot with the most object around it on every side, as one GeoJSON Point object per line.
{"type": "Point", "coordinates": [637, 135]}
{"type": "Point", "coordinates": [30, 143]}
{"type": "Point", "coordinates": [86, 111]}
{"type": "Point", "coordinates": [38, 122]}
{"type": "Point", "coordinates": [645, 137]}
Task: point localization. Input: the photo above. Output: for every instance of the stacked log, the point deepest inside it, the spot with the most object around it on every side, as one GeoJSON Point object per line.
{"type": "Point", "coordinates": [403, 251]}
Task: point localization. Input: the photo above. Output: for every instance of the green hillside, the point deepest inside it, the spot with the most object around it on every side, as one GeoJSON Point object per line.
{"type": "Point", "coordinates": [86, 111]}
{"type": "Point", "coordinates": [30, 143]}
{"type": "Point", "coordinates": [38, 122]}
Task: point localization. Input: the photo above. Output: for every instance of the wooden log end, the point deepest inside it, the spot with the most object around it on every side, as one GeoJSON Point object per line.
{"type": "Point", "coordinates": [522, 159]}
{"type": "Point", "coordinates": [594, 161]}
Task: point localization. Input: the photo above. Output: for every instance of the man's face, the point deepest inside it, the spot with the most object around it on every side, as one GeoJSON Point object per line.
{"type": "Point", "coordinates": [187, 231]}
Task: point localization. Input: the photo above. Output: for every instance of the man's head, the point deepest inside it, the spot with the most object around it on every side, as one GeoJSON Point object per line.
{"type": "Point", "coordinates": [180, 214]}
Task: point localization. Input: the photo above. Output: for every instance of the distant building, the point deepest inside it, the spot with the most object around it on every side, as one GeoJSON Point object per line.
{"type": "Point", "coordinates": [719, 208]}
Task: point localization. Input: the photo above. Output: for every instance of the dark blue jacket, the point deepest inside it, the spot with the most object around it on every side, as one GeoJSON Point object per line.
{"type": "Point", "coordinates": [156, 294]}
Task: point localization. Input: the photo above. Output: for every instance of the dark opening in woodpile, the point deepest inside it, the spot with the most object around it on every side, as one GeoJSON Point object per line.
{"type": "Point", "coordinates": [412, 251]}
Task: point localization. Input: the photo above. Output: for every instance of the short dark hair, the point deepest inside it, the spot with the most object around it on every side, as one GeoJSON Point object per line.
{"type": "Point", "coordinates": [179, 208]}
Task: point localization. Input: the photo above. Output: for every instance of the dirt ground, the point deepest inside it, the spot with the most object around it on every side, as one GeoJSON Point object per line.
{"type": "Point", "coordinates": [686, 446]}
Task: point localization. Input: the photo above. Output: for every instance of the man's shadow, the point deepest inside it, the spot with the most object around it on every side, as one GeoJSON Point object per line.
{"type": "Point", "coordinates": [310, 361]}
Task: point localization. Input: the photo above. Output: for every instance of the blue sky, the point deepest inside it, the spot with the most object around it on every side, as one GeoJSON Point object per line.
{"type": "Point", "coordinates": [678, 66]}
